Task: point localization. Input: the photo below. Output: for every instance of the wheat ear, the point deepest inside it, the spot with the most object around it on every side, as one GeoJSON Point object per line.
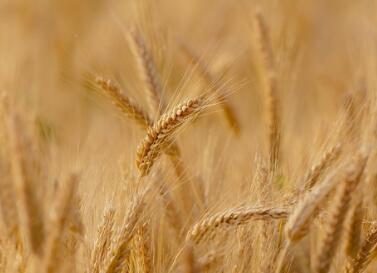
{"type": "Point", "coordinates": [120, 252]}
{"type": "Point", "coordinates": [308, 208]}
{"type": "Point", "coordinates": [325, 162]}
{"type": "Point", "coordinates": [216, 89]}
{"type": "Point", "coordinates": [233, 217]}
{"type": "Point", "coordinates": [268, 78]}
{"type": "Point", "coordinates": [130, 109]}
{"type": "Point", "coordinates": [103, 241]}
{"type": "Point", "coordinates": [148, 71]}
{"type": "Point", "coordinates": [364, 256]}
{"type": "Point", "coordinates": [30, 209]}
{"type": "Point", "coordinates": [334, 228]}
{"type": "Point", "coordinates": [161, 133]}
{"type": "Point", "coordinates": [59, 224]}
{"type": "Point", "coordinates": [353, 228]}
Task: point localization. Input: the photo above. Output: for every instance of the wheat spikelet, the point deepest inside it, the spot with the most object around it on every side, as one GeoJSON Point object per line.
{"type": "Point", "coordinates": [314, 173]}
{"type": "Point", "coordinates": [30, 209]}
{"type": "Point", "coordinates": [58, 225]}
{"type": "Point", "coordinates": [216, 89]}
{"type": "Point", "coordinates": [269, 83]}
{"type": "Point", "coordinates": [158, 135]}
{"type": "Point", "coordinates": [234, 217]}
{"type": "Point", "coordinates": [103, 241]}
{"type": "Point", "coordinates": [353, 229]}
{"type": "Point", "coordinates": [120, 252]}
{"type": "Point", "coordinates": [337, 216]}
{"type": "Point", "coordinates": [364, 256]}
{"type": "Point", "coordinates": [127, 107]}
{"type": "Point", "coordinates": [148, 72]}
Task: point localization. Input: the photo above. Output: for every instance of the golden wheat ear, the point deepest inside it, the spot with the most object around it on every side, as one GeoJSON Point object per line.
{"type": "Point", "coordinates": [267, 74]}
{"type": "Point", "coordinates": [163, 130]}
{"type": "Point", "coordinates": [325, 162]}
{"type": "Point", "coordinates": [148, 72]}
{"type": "Point", "coordinates": [120, 251]}
{"type": "Point", "coordinates": [103, 241]}
{"type": "Point", "coordinates": [215, 87]}
{"type": "Point", "coordinates": [125, 105]}
{"type": "Point", "coordinates": [235, 217]}
{"type": "Point", "coordinates": [353, 228]}
{"type": "Point", "coordinates": [337, 215]}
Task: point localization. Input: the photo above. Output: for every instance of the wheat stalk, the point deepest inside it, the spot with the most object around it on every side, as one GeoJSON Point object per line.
{"type": "Point", "coordinates": [30, 208]}
{"type": "Point", "coordinates": [59, 225]}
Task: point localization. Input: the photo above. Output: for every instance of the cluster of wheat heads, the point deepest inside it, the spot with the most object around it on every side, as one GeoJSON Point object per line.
{"type": "Point", "coordinates": [201, 179]}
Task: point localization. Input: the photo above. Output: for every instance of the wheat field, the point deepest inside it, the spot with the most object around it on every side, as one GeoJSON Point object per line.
{"type": "Point", "coordinates": [188, 136]}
